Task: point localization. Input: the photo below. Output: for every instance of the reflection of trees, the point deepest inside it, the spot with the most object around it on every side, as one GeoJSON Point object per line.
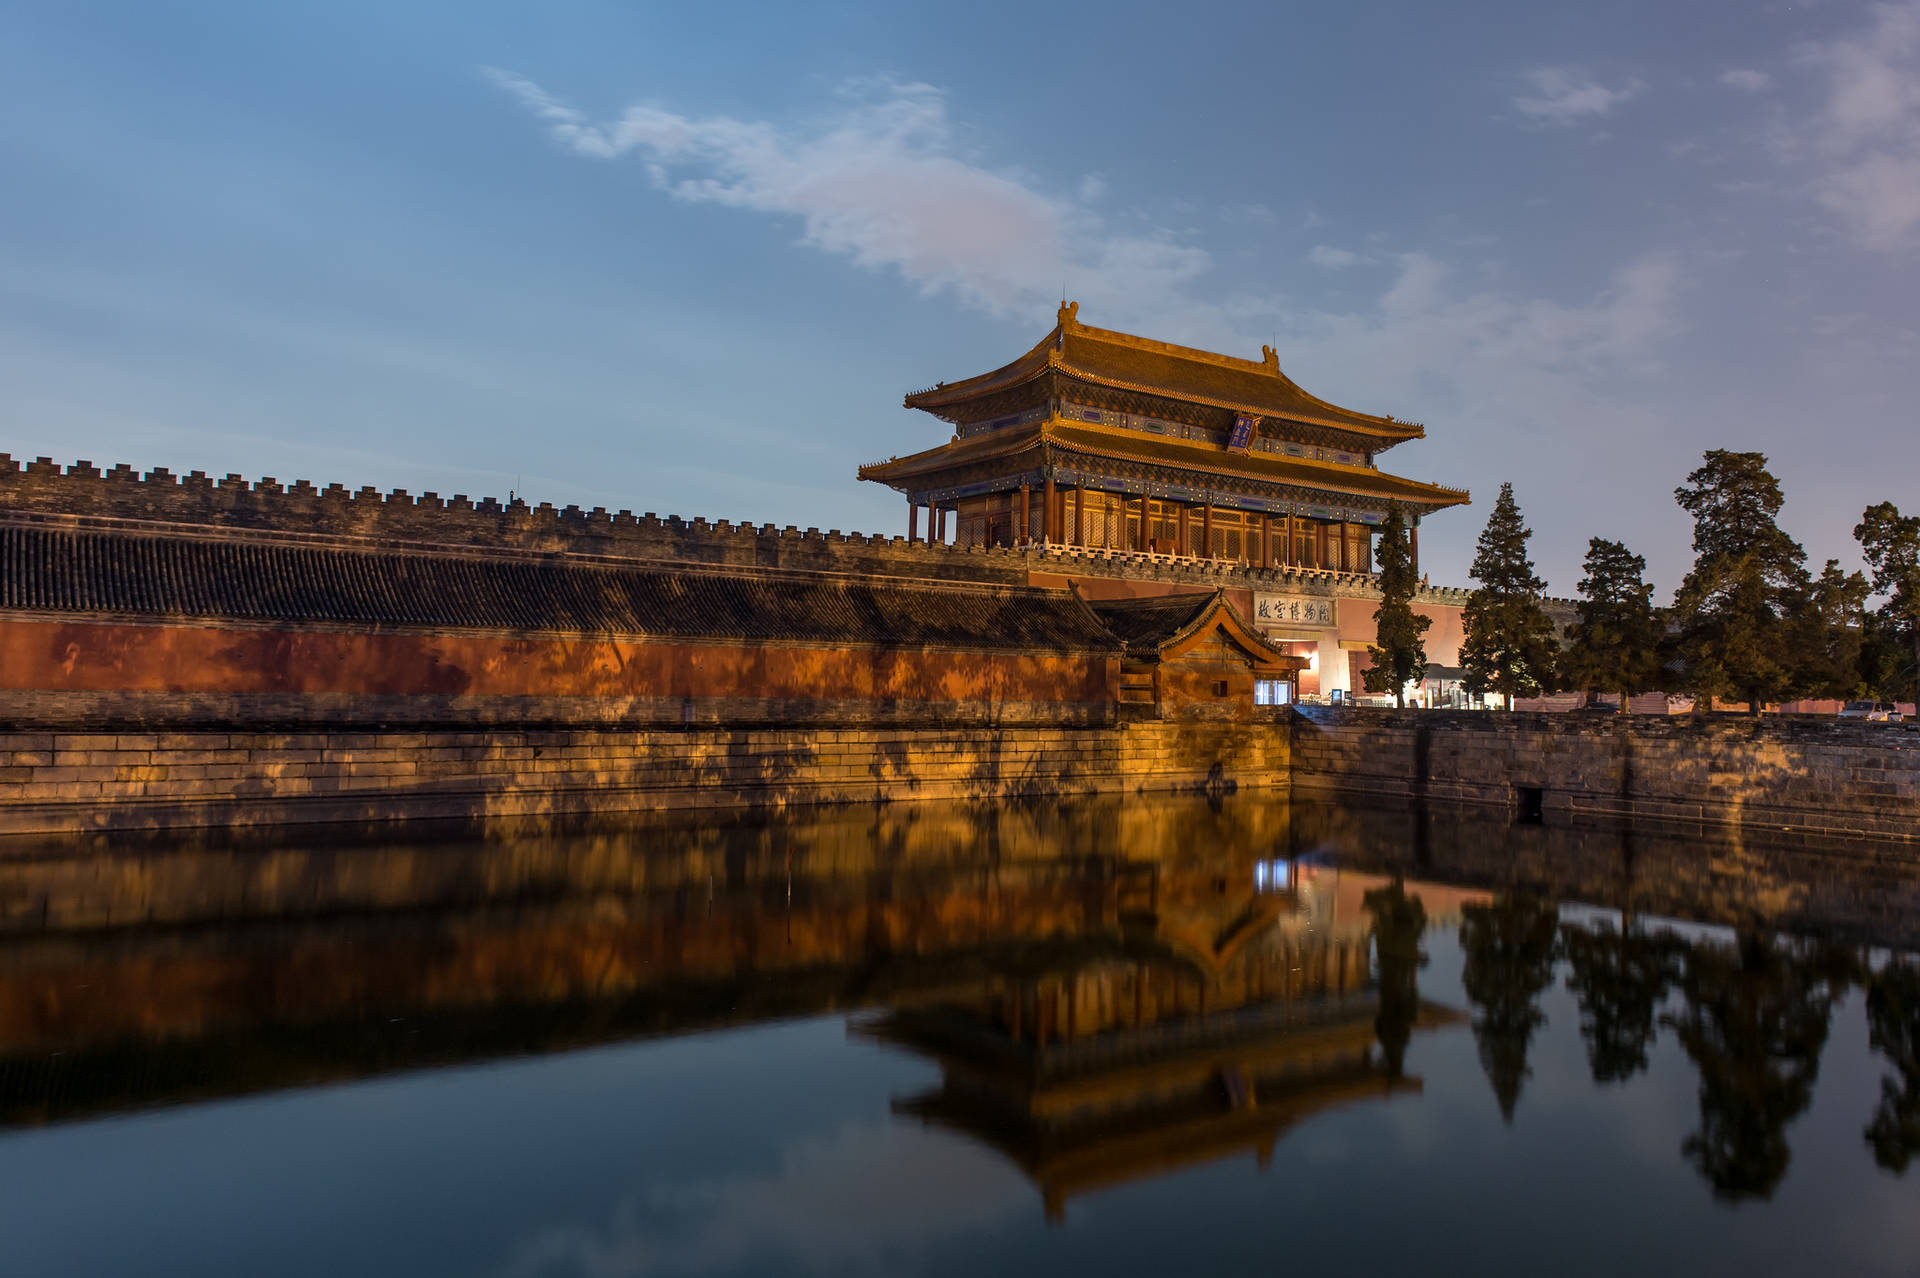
{"type": "Point", "coordinates": [1893, 1027]}
{"type": "Point", "coordinates": [1398, 923]}
{"type": "Point", "coordinates": [1619, 979]}
{"type": "Point", "coordinates": [1755, 1021]}
{"type": "Point", "coordinates": [1509, 961]}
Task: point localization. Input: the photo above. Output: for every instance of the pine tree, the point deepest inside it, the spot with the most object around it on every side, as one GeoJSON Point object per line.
{"type": "Point", "coordinates": [1890, 542]}
{"type": "Point", "coordinates": [1399, 657]}
{"type": "Point", "coordinates": [1832, 637]}
{"type": "Point", "coordinates": [1735, 611]}
{"type": "Point", "coordinates": [1616, 641]}
{"type": "Point", "coordinates": [1509, 646]}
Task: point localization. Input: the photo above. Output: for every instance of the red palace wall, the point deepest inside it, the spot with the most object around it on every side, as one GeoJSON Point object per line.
{"type": "Point", "coordinates": [51, 658]}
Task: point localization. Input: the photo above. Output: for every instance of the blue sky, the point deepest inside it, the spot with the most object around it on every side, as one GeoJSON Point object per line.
{"type": "Point", "coordinates": [688, 258]}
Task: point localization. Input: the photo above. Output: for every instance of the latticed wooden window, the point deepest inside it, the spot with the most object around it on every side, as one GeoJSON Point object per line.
{"type": "Point", "coordinates": [1303, 544]}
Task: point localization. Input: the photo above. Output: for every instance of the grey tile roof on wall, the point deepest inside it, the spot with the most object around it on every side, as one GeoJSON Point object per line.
{"type": "Point", "coordinates": [1143, 625]}
{"type": "Point", "coordinates": [109, 571]}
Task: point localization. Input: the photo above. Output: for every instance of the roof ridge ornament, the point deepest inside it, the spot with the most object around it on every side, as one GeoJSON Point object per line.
{"type": "Point", "coordinates": [1270, 357]}
{"type": "Point", "coordinates": [1069, 314]}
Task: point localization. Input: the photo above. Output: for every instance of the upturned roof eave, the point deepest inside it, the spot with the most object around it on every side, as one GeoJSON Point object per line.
{"type": "Point", "coordinates": [1055, 351]}
{"type": "Point", "coordinates": [1242, 633]}
{"type": "Point", "coordinates": [1112, 444]}
{"type": "Point", "coordinates": [1028, 366]}
{"type": "Point", "coordinates": [1320, 474]}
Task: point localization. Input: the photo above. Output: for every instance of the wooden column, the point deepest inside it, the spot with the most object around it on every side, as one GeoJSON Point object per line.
{"type": "Point", "coordinates": [1046, 513]}
{"type": "Point", "coordinates": [913, 521]}
{"type": "Point", "coordinates": [1206, 529]}
{"type": "Point", "coordinates": [1346, 547]}
{"type": "Point", "coordinates": [1026, 516]}
{"type": "Point", "coordinates": [1319, 543]}
{"type": "Point", "coordinates": [1180, 527]}
{"type": "Point", "coordinates": [1413, 548]}
{"type": "Point", "coordinates": [1287, 554]}
{"type": "Point", "coordinates": [1079, 516]}
{"type": "Point", "coordinates": [1266, 540]}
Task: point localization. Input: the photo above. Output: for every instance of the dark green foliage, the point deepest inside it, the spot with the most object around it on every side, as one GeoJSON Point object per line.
{"type": "Point", "coordinates": [1509, 646]}
{"type": "Point", "coordinates": [1616, 641]}
{"type": "Point", "coordinates": [1890, 542]}
{"type": "Point", "coordinates": [1755, 1021]}
{"type": "Point", "coordinates": [1832, 633]}
{"type": "Point", "coordinates": [1735, 611]}
{"type": "Point", "coordinates": [1509, 951]}
{"type": "Point", "coordinates": [1399, 658]}
{"type": "Point", "coordinates": [1619, 979]}
{"type": "Point", "coordinates": [1399, 921]}
{"type": "Point", "coordinates": [1893, 1028]}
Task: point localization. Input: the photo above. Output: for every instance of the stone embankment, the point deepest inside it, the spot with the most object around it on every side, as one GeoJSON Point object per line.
{"type": "Point", "coordinates": [1817, 776]}
{"type": "Point", "coordinates": [57, 781]}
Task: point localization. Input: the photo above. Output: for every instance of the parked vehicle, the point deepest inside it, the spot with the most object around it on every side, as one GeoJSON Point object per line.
{"type": "Point", "coordinates": [1871, 711]}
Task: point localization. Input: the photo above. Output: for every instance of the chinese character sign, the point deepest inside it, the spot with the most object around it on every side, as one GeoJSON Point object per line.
{"type": "Point", "coordinates": [1242, 433]}
{"type": "Point", "coordinates": [1292, 610]}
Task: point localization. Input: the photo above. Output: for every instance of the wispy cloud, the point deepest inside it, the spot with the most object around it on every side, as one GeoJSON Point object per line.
{"type": "Point", "coordinates": [1868, 140]}
{"type": "Point", "coordinates": [1747, 80]}
{"type": "Point", "coordinates": [1569, 95]}
{"type": "Point", "coordinates": [870, 1198]}
{"type": "Point", "coordinates": [1337, 259]}
{"type": "Point", "coordinates": [882, 184]}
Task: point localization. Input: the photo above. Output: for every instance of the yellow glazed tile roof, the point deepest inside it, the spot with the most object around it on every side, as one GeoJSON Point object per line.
{"type": "Point", "coordinates": [1124, 361]}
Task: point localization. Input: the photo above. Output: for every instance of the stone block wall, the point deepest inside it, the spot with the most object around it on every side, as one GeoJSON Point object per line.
{"type": "Point", "coordinates": [53, 781]}
{"type": "Point", "coordinates": [1818, 776]}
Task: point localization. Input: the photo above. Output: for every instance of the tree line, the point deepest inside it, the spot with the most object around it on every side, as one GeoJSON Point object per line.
{"type": "Point", "coordinates": [1749, 623]}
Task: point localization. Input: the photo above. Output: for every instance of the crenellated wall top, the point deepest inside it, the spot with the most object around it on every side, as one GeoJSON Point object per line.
{"type": "Point", "coordinates": [232, 503]}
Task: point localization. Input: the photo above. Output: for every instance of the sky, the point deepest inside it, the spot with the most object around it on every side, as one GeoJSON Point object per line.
{"type": "Point", "coordinates": [688, 258]}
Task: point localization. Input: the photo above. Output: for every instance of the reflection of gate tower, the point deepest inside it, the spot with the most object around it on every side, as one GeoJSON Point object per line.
{"type": "Point", "coordinates": [1101, 439]}
{"type": "Point", "coordinates": [1217, 1024]}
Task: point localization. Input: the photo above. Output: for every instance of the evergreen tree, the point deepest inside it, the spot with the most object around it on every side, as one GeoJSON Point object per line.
{"type": "Point", "coordinates": [1399, 658]}
{"type": "Point", "coordinates": [1833, 634]}
{"type": "Point", "coordinates": [1735, 611]}
{"type": "Point", "coordinates": [1890, 542]}
{"type": "Point", "coordinates": [1509, 646]}
{"type": "Point", "coordinates": [1616, 641]}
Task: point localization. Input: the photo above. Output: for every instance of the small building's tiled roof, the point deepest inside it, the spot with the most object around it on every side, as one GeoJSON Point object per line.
{"type": "Point", "coordinates": [1157, 626]}
{"type": "Point", "coordinates": [81, 570]}
{"type": "Point", "coordinates": [1126, 362]}
{"type": "Point", "coordinates": [1143, 626]}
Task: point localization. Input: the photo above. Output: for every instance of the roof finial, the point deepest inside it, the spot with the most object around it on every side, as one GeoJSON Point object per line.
{"type": "Point", "coordinates": [1270, 357]}
{"type": "Point", "coordinates": [1069, 313]}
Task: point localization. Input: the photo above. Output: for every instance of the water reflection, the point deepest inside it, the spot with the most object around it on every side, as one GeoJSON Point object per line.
{"type": "Point", "coordinates": [1893, 1019]}
{"type": "Point", "coordinates": [1753, 1020]}
{"type": "Point", "coordinates": [1108, 992]}
{"type": "Point", "coordinates": [1399, 922]}
{"type": "Point", "coordinates": [1620, 977]}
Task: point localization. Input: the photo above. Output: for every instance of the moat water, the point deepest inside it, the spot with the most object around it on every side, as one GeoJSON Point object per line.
{"type": "Point", "coordinates": [1166, 1036]}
